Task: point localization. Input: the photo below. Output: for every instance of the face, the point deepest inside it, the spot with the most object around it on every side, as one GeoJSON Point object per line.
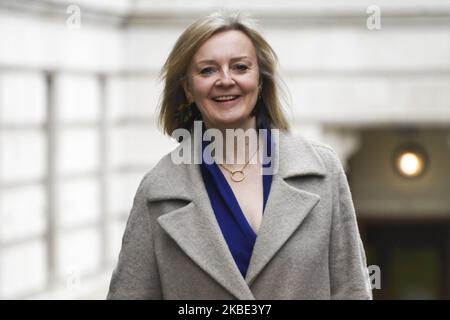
{"type": "Point", "coordinates": [223, 80]}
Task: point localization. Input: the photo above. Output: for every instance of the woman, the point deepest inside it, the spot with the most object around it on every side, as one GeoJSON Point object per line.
{"type": "Point", "coordinates": [235, 227]}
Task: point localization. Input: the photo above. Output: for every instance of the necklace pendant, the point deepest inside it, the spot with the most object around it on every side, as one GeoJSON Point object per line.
{"type": "Point", "coordinates": [238, 175]}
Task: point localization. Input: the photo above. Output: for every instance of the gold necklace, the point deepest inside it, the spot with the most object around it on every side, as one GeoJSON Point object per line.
{"type": "Point", "coordinates": [239, 175]}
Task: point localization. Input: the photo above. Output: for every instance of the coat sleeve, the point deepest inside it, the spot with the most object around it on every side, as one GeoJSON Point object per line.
{"type": "Point", "coordinates": [348, 267]}
{"type": "Point", "coordinates": [136, 274]}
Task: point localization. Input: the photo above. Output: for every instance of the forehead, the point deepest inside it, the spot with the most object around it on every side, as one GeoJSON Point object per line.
{"type": "Point", "coordinates": [226, 45]}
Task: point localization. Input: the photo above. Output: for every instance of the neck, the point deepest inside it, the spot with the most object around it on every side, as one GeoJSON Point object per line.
{"type": "Point", "coordinates": [240, 143]}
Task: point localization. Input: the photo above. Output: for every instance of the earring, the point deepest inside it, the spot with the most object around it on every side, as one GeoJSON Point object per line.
{"type": "Point", "coordinates": [184, 112]}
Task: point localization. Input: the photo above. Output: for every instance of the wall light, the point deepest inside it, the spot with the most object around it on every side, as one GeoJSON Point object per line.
{"type": "Point", "coordinates": [410, 161]}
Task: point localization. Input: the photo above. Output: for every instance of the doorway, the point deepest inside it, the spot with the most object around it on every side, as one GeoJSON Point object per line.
{"type": "Point", "coordinates": [413, 256]}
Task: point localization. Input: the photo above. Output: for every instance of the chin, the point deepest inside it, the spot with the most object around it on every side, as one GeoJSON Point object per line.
{"type": "Point", "coordinates": [233, 122]}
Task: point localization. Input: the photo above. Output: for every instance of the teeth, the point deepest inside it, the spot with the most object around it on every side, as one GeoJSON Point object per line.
{"type": "Point", "coordinates": [224, 98]}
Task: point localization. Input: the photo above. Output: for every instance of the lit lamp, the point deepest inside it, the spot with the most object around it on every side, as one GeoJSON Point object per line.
{"type": "Point", "coordinates": [410, 161]}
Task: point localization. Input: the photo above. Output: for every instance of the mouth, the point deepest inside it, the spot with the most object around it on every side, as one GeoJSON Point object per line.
{"type": "Point", "coordinates": [226, 98]}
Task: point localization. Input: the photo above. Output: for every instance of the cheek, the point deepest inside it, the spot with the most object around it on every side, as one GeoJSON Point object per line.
{"type": "Point", "coordinates": [252, 90]}
{"type": "Point", "coordinates": [250, 85]}
{"type": "Point", "coordinates": [200, 88]}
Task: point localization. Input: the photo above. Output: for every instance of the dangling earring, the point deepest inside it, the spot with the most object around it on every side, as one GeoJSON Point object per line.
{"type": "Point", "coordinates": [254, 108]}
{"type": "Point", "coordinates": [184, 112]}
{"type": "Point", "coordinates": [258, 100]}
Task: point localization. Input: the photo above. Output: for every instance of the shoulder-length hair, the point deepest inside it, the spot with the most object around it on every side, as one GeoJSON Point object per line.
{"type": "Point", "coordinates": [268, 107]}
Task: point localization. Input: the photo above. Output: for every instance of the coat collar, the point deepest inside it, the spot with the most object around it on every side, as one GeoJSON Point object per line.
{"type": "Point", "coordinates": [195, 229]}
{"type": "Point", "coordinates": [297, 157]}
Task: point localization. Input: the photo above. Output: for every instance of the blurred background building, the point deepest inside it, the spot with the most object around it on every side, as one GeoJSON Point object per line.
{"type": "Point", "coordinates": [79, 89]}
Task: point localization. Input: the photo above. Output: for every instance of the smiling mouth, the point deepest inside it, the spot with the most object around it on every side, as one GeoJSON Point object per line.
{"type": "Point", "coordinates": [225, 98]}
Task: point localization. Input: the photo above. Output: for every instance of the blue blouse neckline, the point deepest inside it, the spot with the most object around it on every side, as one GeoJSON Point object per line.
{"type": "Point", "coordinates": [239, 235]}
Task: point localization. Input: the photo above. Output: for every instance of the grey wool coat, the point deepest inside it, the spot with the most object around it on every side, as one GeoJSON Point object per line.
{"type": "Point", "coordinates": [308, 245]}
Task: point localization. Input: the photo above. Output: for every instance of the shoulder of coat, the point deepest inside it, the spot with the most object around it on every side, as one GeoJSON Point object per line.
{"type": "Point", "coordinates": [163, 168]}
{"type": "Point", "coordinates": [327, 153]}
{"type": "Point", "coordinates": [323, 148]}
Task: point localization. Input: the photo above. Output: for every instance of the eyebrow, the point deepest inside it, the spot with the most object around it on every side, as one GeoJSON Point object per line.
{"type": "Point", "coordinates": [213, 61]}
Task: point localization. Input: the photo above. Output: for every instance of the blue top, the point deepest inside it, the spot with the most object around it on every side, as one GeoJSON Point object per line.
{"type": "Point", "coordinates": [236, 230]}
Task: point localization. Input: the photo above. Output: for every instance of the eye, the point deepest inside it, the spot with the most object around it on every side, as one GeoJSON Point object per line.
{"type": "Point", "coordinates": [207, 71]}
{"type": "Point", "coordinates": [241, 67]}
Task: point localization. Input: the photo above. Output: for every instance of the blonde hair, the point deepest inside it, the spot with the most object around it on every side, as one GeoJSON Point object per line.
{"type": "Point", "coordinates": [173, 73]}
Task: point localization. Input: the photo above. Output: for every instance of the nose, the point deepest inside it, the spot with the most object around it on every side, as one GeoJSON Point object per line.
{"type": "Point", "coordinates": [225, 79]}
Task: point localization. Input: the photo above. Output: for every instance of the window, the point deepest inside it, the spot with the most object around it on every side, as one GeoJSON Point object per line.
{"type": "Point", "coordinates": [73, 148]}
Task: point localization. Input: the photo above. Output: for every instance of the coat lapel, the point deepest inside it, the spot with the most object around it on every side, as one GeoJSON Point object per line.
{"type": "Point", "coordinates": [196, 231]}
{"type": "Point", "coordinates": [287, 206]}
{"type": "Point", "coordinates": [285, 210]}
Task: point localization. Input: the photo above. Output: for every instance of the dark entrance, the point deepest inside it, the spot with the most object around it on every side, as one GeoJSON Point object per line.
{"type": "Point", "coordinates": [413, 255]}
